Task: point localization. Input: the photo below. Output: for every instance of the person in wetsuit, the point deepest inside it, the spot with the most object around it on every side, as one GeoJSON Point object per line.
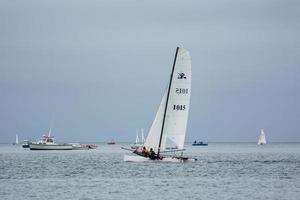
{"type": "Point", "coordinates": [152, 155]}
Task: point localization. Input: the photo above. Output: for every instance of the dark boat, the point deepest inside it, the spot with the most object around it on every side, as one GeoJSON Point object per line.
{"type": "Point", "coordinates": [111, 142]}
{"type": "Point", "coordinates": [200, 143]}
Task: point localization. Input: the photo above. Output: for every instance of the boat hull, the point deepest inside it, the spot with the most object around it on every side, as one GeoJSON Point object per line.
{"type": "Point", "coordinates": [129, 158]}
{"type": "Point", "coordinates": [136, 146]}
{"type": "Point", "coordinates": [50, 147]}
{"type": "Point", "coordinates": [25, 145]}
{"type": "Point", "coordinates": [83, 146]}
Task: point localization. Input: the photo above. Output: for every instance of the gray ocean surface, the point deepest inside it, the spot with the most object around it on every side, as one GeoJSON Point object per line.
{"type": "Point", "coordinates": [223, 171]}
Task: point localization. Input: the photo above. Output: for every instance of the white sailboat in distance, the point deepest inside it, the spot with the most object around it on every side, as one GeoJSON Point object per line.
{"type": "Point", "coordinates": [143, 138]}
{"type": "Point", "coordinates": [17, 140]}
{"type": "Point", "coordinates": [137, 140]}
{"type": "Point", "coordinates": [168, 129]}
{"type": "Point", "coordinates": [262, 138]}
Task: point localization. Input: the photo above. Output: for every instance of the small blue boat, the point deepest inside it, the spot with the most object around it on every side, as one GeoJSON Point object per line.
{"type": "Point", "coordinates": [200, 143]}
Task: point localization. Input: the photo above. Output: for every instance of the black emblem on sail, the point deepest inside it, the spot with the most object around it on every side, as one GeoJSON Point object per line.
{"type": "Point", "coordinates": [181, 76]}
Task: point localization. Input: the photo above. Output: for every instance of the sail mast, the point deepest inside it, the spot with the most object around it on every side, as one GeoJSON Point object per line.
{"type": "Point", "coordinates": [166, 107]}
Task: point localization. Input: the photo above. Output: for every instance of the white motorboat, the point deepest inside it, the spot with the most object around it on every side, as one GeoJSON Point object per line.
{"type": "Point", "coordinates": [47, 143]}
{"type": "Point", "coordinates": [26, 143]}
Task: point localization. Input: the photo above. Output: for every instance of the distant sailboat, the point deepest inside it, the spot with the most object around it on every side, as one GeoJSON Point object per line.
{"type": "Point", "coordinates": [137, 140]}
{"type": "Point", "coordinates": [168, 129]}
{"type": "Point", "coordinates": [17, 140]}
{"type": "Point", "coordinates": [143, 138]}
{"type": "Point", "coordinates": [262, 138]}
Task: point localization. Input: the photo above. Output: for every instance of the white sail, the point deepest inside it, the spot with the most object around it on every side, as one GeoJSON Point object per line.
{"type": "Point", "coordinates": [179, 103]}
{"type": "Point", "coordinates": [152, 140]}
{"type": "Point", "coordinates": [17, 139]}
{"type": "Point", "coordinates": [143, 138]}
{"type": "Point", "coordinates": [170, 123]}
{"type": "Point", "coordinates": [262, 138]}
{"type": "Point", "coordinates": [49, 133]}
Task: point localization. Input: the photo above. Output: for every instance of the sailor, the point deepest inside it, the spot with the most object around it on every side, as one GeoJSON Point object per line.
{"type": "Point", "coordinates": [145, 152]}
{"type": "Point", "coordinates": [152, 154]}
{"type": "Point", "coordinates": [139, 151]}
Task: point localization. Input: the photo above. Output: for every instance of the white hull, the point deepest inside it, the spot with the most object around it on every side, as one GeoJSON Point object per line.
{"type": "Point", "coordinates": [136, 146]}
{"type": "Point", "coordinates": [50, 147]}
{"type": "Point", "coordinates": [128, 158]}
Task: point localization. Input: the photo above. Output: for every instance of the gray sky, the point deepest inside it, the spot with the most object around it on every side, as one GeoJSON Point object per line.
{"type": "Point", "coordinates": [96, 70]}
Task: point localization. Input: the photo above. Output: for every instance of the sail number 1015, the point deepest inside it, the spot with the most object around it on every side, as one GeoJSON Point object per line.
{"type": "Point", "coordinates": [179, 107]}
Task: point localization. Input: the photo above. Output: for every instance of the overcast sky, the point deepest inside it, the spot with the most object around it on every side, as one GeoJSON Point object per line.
{"type": "Point", "coordinates": [96, 70]}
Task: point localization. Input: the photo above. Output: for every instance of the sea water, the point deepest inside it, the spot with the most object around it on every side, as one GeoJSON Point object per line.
{"type": "Point", "coordinates": [223, 171]}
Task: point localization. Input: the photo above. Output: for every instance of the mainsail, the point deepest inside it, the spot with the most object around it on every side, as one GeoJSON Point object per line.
{"type": "Point", "coordinates": [168, 129]}
{"type": "Point", "coordinates": [262, 137]}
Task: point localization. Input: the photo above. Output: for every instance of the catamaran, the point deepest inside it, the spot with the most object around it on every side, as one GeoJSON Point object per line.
{"type": "Point", "coordinates": [168, 129]}
{"type": "Point", "coordinates": [262, 138]}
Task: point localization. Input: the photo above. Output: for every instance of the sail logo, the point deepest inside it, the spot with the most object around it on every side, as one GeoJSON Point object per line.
{"type": "Point", "coordinates": [181, 76]}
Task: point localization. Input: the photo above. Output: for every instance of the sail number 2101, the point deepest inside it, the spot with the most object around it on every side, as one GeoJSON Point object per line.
{"type": "Point", "coordinates": [182, 90]}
